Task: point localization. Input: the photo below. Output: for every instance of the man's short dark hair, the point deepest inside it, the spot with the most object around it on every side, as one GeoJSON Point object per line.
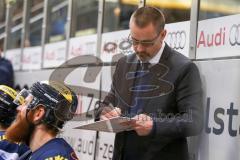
{"type": "Point", "coordinates": [146, 15]}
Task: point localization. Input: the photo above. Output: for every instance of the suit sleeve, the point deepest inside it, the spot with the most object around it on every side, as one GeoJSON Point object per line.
{"type": "Point", "coordinates": [189, 119]}
{"type": "Point", "coordinates": [110, 98]}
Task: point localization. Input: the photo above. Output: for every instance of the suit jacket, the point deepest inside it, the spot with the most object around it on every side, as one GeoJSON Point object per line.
{"type": "Point", "coordinates": [175, 105]}
{"type": "Point", "coordinates": [6, 72]}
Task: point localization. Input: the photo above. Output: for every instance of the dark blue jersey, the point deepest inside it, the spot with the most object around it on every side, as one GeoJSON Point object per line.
{"type": "Point", "coordinates": [55, 149]}
{"type": "Point", "coordinates": [10, 151]}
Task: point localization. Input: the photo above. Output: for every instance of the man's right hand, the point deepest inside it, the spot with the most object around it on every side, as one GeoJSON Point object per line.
{"type": "Point", "coordinates": [109, 112]}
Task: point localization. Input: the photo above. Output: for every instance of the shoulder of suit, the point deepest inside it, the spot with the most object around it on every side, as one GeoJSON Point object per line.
{"type": "Point", "coordinates": [127, 58]}
{"type": "Point", "coordinates": [5, 61]}
{"type": "Point", "coordinates": [178, 58]}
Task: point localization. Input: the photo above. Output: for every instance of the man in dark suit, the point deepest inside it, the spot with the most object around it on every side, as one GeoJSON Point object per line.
{"type": "Point", "coordinates": [6, 71]}
{"type": "Point", "coordinates": [159, 88]}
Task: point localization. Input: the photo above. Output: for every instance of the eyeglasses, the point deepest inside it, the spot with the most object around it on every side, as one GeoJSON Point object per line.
{"type": "Point", "coordinates": [144, 43]}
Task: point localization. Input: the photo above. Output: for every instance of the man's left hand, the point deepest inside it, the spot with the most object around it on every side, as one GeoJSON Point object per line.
{"type": "Point", "coordinates": [142, 125]}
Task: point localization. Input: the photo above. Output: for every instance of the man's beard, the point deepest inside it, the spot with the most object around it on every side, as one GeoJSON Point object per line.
{"type": "Point", "coordinates": [21, 129]}
{"type": "Point", "coordinates": [144, 56]}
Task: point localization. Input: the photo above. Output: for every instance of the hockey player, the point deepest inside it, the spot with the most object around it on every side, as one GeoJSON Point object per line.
{"type": "Point", "coordinates": [8, 150]}
{"type": "Point", "coordinates": [45, 109]}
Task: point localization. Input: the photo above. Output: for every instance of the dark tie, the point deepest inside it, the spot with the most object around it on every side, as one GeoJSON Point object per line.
{"type": "Point", "coordinates": [142, 79]}
{"type": "Point", "coordinates": [145, 66]}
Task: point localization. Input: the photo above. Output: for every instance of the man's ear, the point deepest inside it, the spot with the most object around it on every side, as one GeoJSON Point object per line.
{"type": "Point", "coordinates": [39, 113]}
{"type": "Point", "coordinates": [163, 33]}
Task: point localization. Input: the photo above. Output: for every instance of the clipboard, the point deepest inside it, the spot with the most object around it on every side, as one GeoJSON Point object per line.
{"type": "Point", "coordinates": [114, 125]}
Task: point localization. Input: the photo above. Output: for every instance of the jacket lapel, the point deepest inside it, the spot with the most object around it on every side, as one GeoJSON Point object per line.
{"type": "Point", "coordinates": [158, 71]}
{"type": "Point", "coordinates": [132, 64]}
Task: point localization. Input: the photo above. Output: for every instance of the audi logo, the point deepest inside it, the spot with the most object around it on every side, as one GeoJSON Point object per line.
{"type": "Point", "coordinates": [125, 45]}
{"type": "Point", "coordinates": [234, 35]}
{"type": "Point", "coordinates": [110, 47]}
{"type": "Point", "coordinates": [176, 40]}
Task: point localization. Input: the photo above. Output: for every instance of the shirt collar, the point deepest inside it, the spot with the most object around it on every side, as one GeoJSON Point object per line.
{"type": "Point", "coordinates": [157, 57]}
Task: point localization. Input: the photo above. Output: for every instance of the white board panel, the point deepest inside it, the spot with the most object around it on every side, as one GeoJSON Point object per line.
{"type": "Point", "coordinates": [220, 139]}
{"type": "Point", "coordinates": [14, 55]}
{"type": "Point", "coordinates": [54, 54]}
{"type": "Point", "coordinates": [32, 58]}
{"type": "Point", "coordinates": [219, 37]}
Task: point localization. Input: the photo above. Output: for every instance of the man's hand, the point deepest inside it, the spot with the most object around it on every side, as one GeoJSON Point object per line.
{"type": "Point", "coordinates": [142, 125]}
{"type": "Point", "coordinates": [109, 112]}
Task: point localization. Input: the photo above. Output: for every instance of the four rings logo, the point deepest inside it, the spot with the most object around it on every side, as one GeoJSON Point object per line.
{"type": "Point", "coordinates": [234, 35]}
{"type": "Point", "coordinates": [124, 46]}
{"type": "Point", "coordinates": [177, 40]}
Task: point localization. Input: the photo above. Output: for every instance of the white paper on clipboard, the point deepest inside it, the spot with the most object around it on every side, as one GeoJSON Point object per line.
{"type": "Point", "coordinates": [111, 125]}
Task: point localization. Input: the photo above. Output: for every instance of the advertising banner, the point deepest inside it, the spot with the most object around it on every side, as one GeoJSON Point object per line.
{"type": "Point", "coordinates": [105, 146]}
{"type": "Point", "coordinates": [178, 36]}
{"type": "Point", "coordinates": [84, 45]}
{"type": "Point", "coordinates": [14, 55]}
{"type": "Point", "coordinates": [32, 58]}
{"type": "Point", "coordinates": [54, 54]}
{"type": "Point", "coordinates": [220, 139]}
{"type": "Point", "coordinates": [115, 44]}
{"type": "Point", "coordinates": [82, 141]}
{"type": "Point", "coordinates": [219, 37]}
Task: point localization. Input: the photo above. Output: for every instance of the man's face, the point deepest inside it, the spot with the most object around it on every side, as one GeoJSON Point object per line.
{"type": "Point", "coordinates": [146, 41]}
{"type": "Point", "coordinates": [20, 129]}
